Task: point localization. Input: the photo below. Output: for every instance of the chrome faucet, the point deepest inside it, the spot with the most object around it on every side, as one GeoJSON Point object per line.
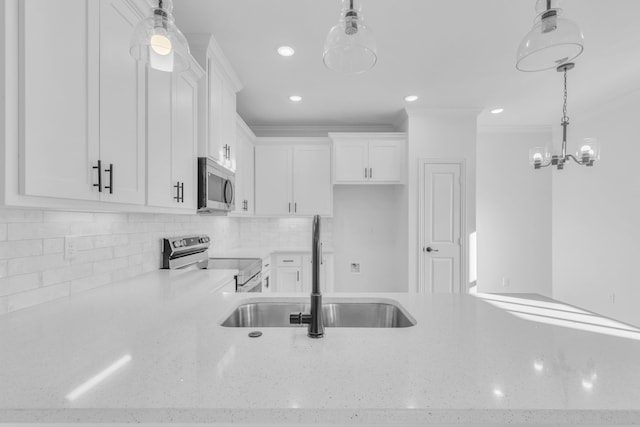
{"type": "Point", "coordinates": [313, 319]}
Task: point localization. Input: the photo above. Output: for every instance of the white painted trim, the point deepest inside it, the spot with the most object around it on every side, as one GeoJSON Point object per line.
{"type": "Point", "coordinates": [291, 140]}
{"type": "Point", "coordinates": [245, 128]}
{"type": "Point", "coordinates": [368, 135]}
{"type": "Point", "coordinates": [315, 131]}
{"type": "Point", "coordinates": [514, 129]}
{"type": "Point", "coordinates": [464, 239]}
{"type": "Point", "coordinates": [217, 54]}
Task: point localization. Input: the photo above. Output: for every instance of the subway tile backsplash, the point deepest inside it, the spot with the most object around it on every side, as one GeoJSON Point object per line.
{"type": "Point", "coordinates": [46, 255]}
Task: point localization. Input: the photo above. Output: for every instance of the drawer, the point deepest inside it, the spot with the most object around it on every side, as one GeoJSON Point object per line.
{"type": "Point", "coordinates": [289, 260]}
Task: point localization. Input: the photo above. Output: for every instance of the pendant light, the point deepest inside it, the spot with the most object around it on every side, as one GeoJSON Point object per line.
{"type": "Point", "coordinates": [589, 150]}
{"type": "Point", "coordinates": [553, 41]}
{"type": "Point", "coordinates": [157, 41]}
{"type": "Point", "coordinates": [350, 47]}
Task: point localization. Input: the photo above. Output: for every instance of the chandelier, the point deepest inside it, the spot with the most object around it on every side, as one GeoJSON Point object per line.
{"type": "Point", "coordinates": [588, 152]}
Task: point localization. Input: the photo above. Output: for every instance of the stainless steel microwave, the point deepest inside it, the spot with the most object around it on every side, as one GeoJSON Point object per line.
{"type": "Point", "coordinates": [216, 188]}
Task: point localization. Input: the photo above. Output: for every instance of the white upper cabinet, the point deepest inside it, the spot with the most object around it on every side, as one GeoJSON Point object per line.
{"type": "Point", "coordinates": [122, 106]}
{"type": "Point", "coordinates": [58, 99]}
{"type": "Point", "coordinates": [244, 163]}
{"type": "Point", "coordinates": [293, 179]}
{"type": "Point", "coordinates": [273, 180]}
{"type": "Point", "coordinates": [368, 158]}
{"type": "Point", "coordinates": [312, 180]}
{"type": "Point", "coordinates": [82, 102]}
{"type": "Point", "coordinates": [218, 93]}
{"type": "Point", "coordinates": [172, 138]}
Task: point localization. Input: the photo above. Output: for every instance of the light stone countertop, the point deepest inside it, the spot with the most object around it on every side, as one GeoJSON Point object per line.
{"type": "Point", "coordinates": [151, 350]}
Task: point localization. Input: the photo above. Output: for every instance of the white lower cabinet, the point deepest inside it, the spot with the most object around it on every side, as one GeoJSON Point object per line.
{"type": "Point", "coordinates": [294, 273]}
{"type": "Point", "coordinates": [293, 180]}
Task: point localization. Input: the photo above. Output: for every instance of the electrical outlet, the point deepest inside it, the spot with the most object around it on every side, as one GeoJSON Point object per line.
{"type": "Point", "coordinates": [355, 267]}
{"type": "Point", "coordinates": [505, 282]}
{"type": "Point", "coordinates": [69, 248]}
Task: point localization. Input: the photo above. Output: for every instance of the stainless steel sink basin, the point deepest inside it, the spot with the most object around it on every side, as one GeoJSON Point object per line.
{"type": "Point", "coordinates": [381, 313]}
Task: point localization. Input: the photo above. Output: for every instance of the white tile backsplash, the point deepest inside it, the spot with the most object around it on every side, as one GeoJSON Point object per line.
{"type": "Point", "coordinates": [46, 255]}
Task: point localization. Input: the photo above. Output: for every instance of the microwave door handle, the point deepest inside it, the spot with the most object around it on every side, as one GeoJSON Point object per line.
{"type": "Point", "coordinates": [228, 192]}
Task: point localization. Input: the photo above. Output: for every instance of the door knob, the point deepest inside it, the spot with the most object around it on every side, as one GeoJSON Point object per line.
{"type": "Point", "coordinates": [430, 249]}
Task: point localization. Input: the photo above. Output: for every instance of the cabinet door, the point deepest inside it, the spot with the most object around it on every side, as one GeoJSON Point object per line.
{"type": "Point", "coordinates": [215, 116]}
{"type": "Point", "coordinates": [384, 161]}
{"type": "Point", "coordinates": [273, 180]}
{"type": "Point", "coordinates": [326, 273]}
{"type": "Point", "coordinates": [289, 280]}
{"type": "Point", "coordinates": [312, 180]}
{"type": "Point", "coordinates": [351, 161]}
{"type": "Point", "coordinates": [249, 177]}
{"type": "Point", "coordinates": [229, 125]}
{"type": "Point", "coordinates": [159, 118]}
{"type": "Point", "coordinates": [122, 112]}
{"type": "Point", "coordinates": [185, 139]}
{"type": "Point", "coordinates": [58, 134]}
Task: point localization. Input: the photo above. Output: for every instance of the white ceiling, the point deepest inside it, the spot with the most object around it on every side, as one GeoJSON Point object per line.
{"type": "Point", "coordinates": [452, 53]}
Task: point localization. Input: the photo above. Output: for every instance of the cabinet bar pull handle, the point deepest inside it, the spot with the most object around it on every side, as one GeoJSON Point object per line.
{"type": "Point", "coordinates": [298, 276]}
{"type": "Point", "coordinates": [366, 173]}
{"type": "Point", "coordinates": [182, 192]}
{"type": "Point", "coordinates": [99, 184]}
{"type": "Point", "coordinates": [177, 196]}
{"type": "Point", "coordinates": [287, 260]}
{"type": "Point", "coordinates": [370, 172]}
{"type": "Point", "coordinates": [110, 172]}
{"type": "Point", "coordinates": [289, 207]}
{"type": "Point", "coordinates": [295, 207]}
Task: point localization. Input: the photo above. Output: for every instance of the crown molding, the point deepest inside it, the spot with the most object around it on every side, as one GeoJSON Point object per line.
{"type": "Point", "coordinates": [288, 140]}
{"type": "Point", "coordinates": [244, 127]}
{"type": "Point", "coordinates": [514, 129]}
{"type": "Point", "coordinates": [216, 53]}
{"type": "Point", "coordinates": [315, 130]}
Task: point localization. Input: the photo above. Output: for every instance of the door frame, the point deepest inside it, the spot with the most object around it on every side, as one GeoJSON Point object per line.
{"type": "Point", "coordinates": [464, 268]}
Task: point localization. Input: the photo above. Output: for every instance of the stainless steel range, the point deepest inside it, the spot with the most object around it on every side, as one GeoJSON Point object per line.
{"type": "Point", "coordinates": [192, 252]}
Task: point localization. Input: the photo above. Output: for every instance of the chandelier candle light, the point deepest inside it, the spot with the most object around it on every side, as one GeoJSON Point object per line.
{"type": "Point", "coordinates": [588, 153]}
{"type": "Point", "coordinates": [157, 41]}
{"type": "Point", "coordinates": [350, 47]}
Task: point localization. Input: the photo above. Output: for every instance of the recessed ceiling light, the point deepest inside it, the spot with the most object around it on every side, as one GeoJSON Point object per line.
{"type": "Point", "coordinates": [286, 51]}
{"type": "Point", "coordinates": [295, 98]}
{"type": "Point", "coordinates": [411, 98]}
{"type": "Point", "coordinates": [497, 110]}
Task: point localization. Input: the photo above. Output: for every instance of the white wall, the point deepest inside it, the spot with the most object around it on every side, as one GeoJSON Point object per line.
{"type": "Point", "coordinates": [368, 229]}
{"type": "Point", "coordinates": [438, 134]}
{"type": "Point", "coordinates": [596, 214]}
{"type": "Point", "coordinates": [513, 214]}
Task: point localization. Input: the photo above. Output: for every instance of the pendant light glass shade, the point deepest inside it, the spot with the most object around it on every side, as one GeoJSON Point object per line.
{"type": "Point", "coordinates": [157, 41]}
{"type": "Point", "coordinates": [350, 47]}
{"type": "Point", "coordinates": [553, 41]}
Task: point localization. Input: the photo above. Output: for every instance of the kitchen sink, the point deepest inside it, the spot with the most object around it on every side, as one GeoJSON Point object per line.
{"type": "Point", "coordinates": [379, 313]}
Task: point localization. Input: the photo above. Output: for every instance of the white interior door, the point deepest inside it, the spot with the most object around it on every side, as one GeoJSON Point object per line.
{"type": "Point", "coordinates": [441, 214]}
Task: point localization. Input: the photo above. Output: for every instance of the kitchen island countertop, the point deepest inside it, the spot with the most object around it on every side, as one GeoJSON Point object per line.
{"type": "Point", "coordinates": [151, 349]}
